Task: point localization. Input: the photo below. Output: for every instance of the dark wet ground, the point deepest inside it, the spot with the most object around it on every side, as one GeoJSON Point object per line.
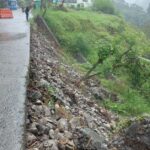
{"type": "Point", "coordinates": [9, 36]}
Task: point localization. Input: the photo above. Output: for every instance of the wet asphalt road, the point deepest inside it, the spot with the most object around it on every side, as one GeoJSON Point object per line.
{"type": "Point", "coordinates": [14, 62]}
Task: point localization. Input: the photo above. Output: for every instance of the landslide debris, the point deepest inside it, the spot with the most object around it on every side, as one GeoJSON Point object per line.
{"type": "Point", "coordinates": [63, 116]}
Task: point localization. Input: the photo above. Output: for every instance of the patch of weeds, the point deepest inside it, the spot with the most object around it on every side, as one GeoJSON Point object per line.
{"type": "Point", "coordinates": [62, 70]}
{"type": "Point", "coordinates": [132, 104]}
{"type": "Point", "coordinates": [122, 124]}
{"type": "Point", "coordinates": [51, 103]}
{"type": "Point", "coordinates": [125, 122]}
{"type": "Point", "coordinates": [51, 92]}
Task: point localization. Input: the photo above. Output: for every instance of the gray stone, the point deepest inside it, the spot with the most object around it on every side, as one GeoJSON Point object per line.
{"type": "Point", "coordinates": [42, 129]}
{"type": "Point", "coordinates": [33, 128]}
{"type": "Point", "coordinates": [87, 138]}
{"type": "Point", "coordinates": [51, 134]}
{"type": "Point", "coordinates": [43, 83]}
{"type": "Point", "coordinates": [44, 137]}
{"type": "Point", "coordinates": [49, 145]}
{"type": "Point", "coordinates": [30, 138]}
{"type": "Point", "coordinates": [139, 132]}
{"type": "Point", "coordinates": [68, 135]}
{"type": "Point", "coordinates": [63, 124]}
{"type": "Point", "coordinates": [38, 102]}
{"type": "Point", "coordinates": [46, 110]}
{"type": "Point", "coordinates": [34, 149]}
{"type": "Point", "coordinates": [60, 136]}
{"type": "Point", "coordinates": [34, 95]}
{"type": "Point", "coordinates": [98, 94]}
{"type": "Point", "coordinates": [104, 146]}
{"type": "Point", "coordinates": [74, 122]}
{"type": "Point", "coordinates": [37, 109]}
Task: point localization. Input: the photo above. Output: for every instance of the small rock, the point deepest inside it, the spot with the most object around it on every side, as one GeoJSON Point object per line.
{"type": "Point", "coordinates": [68, 135]}
{"type": "Point", "coordinates": [107, 125]}
{"type": "Point", "coordinates": [33, 149]}
{"type": "Point", "coordinates": [75, 122]}
{"type": "Point", "coordinates": [33, 128]}
{"type": "Point", "coordinates": [90, 103]}
{"type": "Point", "coordinates": [49, 145]}
{"type": "Point", "coordinates": [63, 124]}
{"type": "Point", "coordinates": [43, 83]}
{"type": "Point", "coordinates": [37, 109]}
{"type": "Point", "coordinates": [42, 129]}
{"type": "Point", "coordinates": [30, 138]}
{"type": "Point", "coordinates": [34, 95]}
{"type": "Point", "coordinates": [47, 112]}
{"type": "Point", "coordinates": [38, 102]}
{"type": "Point", "coordinates": [87, 138]}
{"type": "Point", "coordinates": [60, 136]}
{"type": "Point", "coordinates": [104, 146]}
{"type": "Point", "coordinates": [70, 145]}
{"type": "Point", "coordinates": [44, 137]}
{"type": "Point", "coordinates": [51, 134]}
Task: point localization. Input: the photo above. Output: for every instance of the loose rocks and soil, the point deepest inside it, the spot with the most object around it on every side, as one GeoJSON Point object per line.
{"type": "Point", "coordinates": [61, 115]}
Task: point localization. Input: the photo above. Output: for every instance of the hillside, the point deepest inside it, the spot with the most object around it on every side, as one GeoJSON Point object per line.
{"type": "Point", "coordinates": [91, 28]}
{"type": "Point", "coordinates": [61, 115]}
{"type": "Point", "coordinates": [83, 33]}
{"type": "Point", "coordinates": [67, 104]}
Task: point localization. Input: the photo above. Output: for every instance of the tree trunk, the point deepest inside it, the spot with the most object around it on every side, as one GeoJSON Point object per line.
{"type": "Point", "coordinates": [87, 75]}
{"type": "Point", "coordinates": [45, 10]}
{"type": "Point", "coordinates": [62, 4]}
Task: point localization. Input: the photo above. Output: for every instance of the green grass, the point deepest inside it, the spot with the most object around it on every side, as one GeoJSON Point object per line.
{"type": "Point", "coordinates": [79, 31]}
{"type": "Point", "coordinates": [132, 103]}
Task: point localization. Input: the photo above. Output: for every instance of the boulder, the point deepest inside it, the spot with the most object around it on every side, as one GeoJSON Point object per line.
{"type": "Point", "coordinates": [86, 138]}
{"type": "Point", "coordinates": [138, 135]}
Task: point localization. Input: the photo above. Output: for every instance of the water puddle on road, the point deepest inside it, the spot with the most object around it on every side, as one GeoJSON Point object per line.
{"type": "Point", "coordinates": [11, 36]}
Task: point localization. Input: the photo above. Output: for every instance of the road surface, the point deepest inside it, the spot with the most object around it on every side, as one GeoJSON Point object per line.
{"type": "Point", "coordinates": [14, 62]}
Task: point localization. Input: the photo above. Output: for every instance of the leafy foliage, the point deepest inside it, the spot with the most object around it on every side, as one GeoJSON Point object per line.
{"type": "Point", "coordinates": [132, 13]}
{"type": "Point", "coordinates": [135, 15]}
{"type": "Point", "coordinates": [148, 10]}
{"type": "Point", "coordinates": [3, 4]}
{"type": "Point", "coordinates": [106, 6]}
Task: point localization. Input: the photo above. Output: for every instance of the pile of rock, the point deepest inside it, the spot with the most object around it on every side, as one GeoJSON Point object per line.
{"type": "Point", "coordinates": [61, 115]}
{"type": "Point", "coordinates": [135, 137]}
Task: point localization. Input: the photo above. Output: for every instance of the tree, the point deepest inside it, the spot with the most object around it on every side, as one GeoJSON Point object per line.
{"type": "Point", "coordinates": [132, 13]}
{"type": "Point", "coordinates": [3, 4]}
{"type": "Point", "coordinates": [62, 3]}
{"type": "Point", "coordinates": [105, 51]}
{"type": "Point", "coordinates": [148, 9]}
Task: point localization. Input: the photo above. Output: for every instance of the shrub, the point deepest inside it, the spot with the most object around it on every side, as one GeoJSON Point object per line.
{"type": "Point", "coordinates": [105, 6]}
{"type": "Point", "coordinates": [79, 45]}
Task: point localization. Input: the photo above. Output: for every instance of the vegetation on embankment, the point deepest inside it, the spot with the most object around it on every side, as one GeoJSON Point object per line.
{"type": "Point", "coordinates": [86, 32]}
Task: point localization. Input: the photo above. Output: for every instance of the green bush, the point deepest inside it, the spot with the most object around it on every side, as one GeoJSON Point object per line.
{"type": "Point", "coordinates": [132, 104]}
{"type": "Point", "coordinates": [80, 45]}
{"type": "Point", "coordinates": [2, 4]}
{"type": "Point", "coordinates": [105, 6]}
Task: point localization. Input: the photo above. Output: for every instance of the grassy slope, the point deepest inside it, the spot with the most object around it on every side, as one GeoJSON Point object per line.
{"type": "Point", "coordinates": [82, 31]}
{"type": "Point", "coordinates": [84, 25]}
